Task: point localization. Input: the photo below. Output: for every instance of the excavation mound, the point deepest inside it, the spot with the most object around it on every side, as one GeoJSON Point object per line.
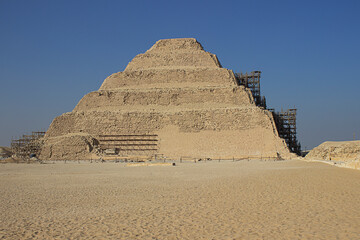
{"type": "Point", "coordinates": [336, 151]}
{"type": "Point", "coordinates": [5, 152]}
{"type": "Point", "coordinates": [175, 100]}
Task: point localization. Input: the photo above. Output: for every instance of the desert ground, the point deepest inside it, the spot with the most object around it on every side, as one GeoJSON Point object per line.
{"type": "Point", "coordinates": [256, 199]}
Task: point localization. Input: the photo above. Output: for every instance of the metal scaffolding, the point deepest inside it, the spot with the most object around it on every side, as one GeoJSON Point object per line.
{"type": "Point", "coordinates": [285, 120]}
{"type": "Point", "coordinates": [286, 125]}
{"type": "Point", "coordinates": [125, 145]}
{"type": "Point", "coordinates": [252, 81]}
{"type": "Point", "coordinates": [27, 145]}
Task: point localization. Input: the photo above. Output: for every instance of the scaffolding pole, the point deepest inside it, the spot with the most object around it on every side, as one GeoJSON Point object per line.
{"type": "Point", "coordinates": [27, 145]}
{"type": "Point", "coordinates": [286, 125]}
{"type": "Point", "coordinates": [252, 81]}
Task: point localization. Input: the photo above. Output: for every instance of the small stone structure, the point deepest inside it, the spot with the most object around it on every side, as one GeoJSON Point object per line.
{"type": "Point", "coordinates": [174, 100]}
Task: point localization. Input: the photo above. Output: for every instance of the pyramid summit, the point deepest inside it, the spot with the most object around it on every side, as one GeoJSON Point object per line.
{"type": "Point", "coordinates": [173, 62]}
{"type": "Point", "coordinates": [176, 53]}
{"type": "Point", "coordinates": [175, 100]}
{"type": "Point", "coordinates": [186, 44]}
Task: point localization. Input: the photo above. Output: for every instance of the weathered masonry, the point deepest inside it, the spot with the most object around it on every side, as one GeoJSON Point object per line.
{"type": "Point", "coordinates": [174, 100]}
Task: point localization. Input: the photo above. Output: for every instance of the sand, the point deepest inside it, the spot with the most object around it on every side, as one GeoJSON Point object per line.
{"type": "Point", "coordinates": [227, 200]}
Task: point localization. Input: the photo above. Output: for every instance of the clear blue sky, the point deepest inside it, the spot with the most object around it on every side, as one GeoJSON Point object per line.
{"type": "Point", "coordinates": [54, 52]}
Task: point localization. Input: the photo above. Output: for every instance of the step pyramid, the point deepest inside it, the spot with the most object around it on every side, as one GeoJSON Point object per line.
{"type": "Point", "coordinates": [175, 100]}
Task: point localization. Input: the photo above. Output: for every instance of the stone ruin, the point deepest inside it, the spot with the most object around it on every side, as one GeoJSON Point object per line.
{"type": "Point", "coordinates": [345, 151]}
{"type": "Point", "coordinates": [174, 100]}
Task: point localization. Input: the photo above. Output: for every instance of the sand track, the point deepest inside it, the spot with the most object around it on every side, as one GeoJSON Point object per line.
{"type": "Point", "coordinates": [226, 200]}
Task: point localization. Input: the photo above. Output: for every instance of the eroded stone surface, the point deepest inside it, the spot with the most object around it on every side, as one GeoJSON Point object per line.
{"type": "Point", "coordinates": [336, 151]}
{"type": "Point", "coordinates": [179, 92]}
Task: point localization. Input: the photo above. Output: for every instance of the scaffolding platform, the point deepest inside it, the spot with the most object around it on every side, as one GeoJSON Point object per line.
{"type": "Point", "coordinates": [27, 145]}
{"type": "Point", "coordinates": [286, 125]}
{"type": "Point", "coordinates": [252, 81]}
{"type": "Point", "coordinates": [125, 145]}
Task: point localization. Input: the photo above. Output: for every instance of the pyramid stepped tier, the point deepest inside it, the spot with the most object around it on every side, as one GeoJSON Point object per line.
{"type": "Point", "coordinates": [173, 59]}
{"type": "Point", "coordinates": [176, 44]}
{"type": "Point", "coordinates": [160, 98]}
{"type": "Point", "coordinates": [170, 77]}
{"type": "Point", "coordinates": [150, 122]}
{"type": "Point", "coordinates": [174, 53]}
{"type": "Point", "coordinates": [177, 92]}
{"type": "Point", "coordinates": [250, 130]}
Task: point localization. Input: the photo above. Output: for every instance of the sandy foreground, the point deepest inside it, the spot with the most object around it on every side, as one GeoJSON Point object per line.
{"type": "Point", "coordinates": [227, 200]}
